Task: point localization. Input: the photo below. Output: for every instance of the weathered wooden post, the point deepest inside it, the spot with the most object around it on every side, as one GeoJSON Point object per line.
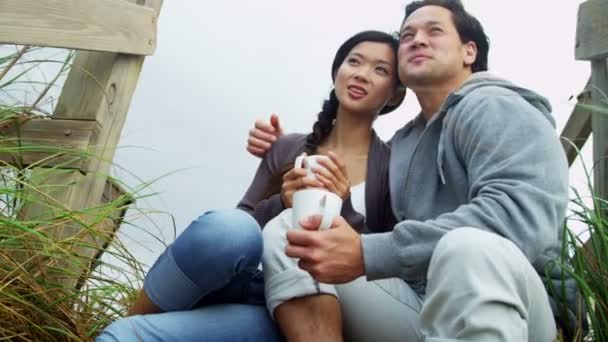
{"type": "Point", "coordinates": [592, 45]}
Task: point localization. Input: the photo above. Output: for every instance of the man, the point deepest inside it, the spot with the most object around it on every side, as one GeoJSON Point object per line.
{"type": "Point", "coordinates": [479, 183]}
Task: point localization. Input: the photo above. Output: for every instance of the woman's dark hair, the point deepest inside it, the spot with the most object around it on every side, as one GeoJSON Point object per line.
{"type": "Point", "coordinates": [325, 118]}
{"type": "Point", "coordinates": [468, 27]}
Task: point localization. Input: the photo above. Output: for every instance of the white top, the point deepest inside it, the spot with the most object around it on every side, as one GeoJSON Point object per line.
{"type": "Point", "coordinates": [357, 198]}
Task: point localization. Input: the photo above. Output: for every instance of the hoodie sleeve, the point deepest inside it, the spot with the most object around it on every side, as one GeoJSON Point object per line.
{"type": "Point", "coordinates": [518, 186]}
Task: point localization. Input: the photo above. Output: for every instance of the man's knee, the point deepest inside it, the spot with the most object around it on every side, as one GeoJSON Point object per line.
{"type": "Point", "coordinates": [472, 248]}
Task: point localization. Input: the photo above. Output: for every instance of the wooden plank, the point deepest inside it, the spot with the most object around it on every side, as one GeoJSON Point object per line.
{"type": "Point", "coordinates": [599, 76]}
{"type": "Point", "coordinates": [592, 30]}
{"type": "Point", "coordinates": [155, 5]}
{"type": "Point", "coordinates": [88, 87]}
{"type": "Point", "coordinates": [49, 143]}
{"type": "Point", "coordinates": [578, 128]}
{"type": "Point", "coordinates": [99, 25]}
{"type": "Point", "coordinates": [112, 192]}
{"type": "Point", "coordinates": [116, 76]}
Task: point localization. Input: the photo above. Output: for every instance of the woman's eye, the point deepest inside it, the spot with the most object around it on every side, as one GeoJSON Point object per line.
{"type": "Point", "coordinates": [382, 70]}
{"type": "Point", "coordinates": [353, 61]}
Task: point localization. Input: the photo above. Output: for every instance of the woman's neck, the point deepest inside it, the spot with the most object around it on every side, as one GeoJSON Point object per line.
{"type": "Point", "coordinates": [350, 136]}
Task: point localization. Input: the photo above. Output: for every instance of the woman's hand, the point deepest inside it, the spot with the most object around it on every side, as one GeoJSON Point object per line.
{"type": "Point", "coordinates": [293, 181]}
{"type": "Point", "coordinates": [333, 175]}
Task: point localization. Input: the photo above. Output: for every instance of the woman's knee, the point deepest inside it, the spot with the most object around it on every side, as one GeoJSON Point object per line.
{"type": "Point", "coordinates": [230, 240]}
{"type": "Point", "coordinates": [222, 233]}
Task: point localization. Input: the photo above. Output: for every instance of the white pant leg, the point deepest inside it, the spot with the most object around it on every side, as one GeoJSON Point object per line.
{"type": "Point", "coordinates": [481, 287]}
{"type": "Point", "coordinates": [283, 279]}
{"type": "Point", "coordinates": [382, 310]}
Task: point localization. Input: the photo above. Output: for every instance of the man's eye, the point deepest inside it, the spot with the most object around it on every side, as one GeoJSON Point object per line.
{"type": "Point", "coordinates": [407, 36]}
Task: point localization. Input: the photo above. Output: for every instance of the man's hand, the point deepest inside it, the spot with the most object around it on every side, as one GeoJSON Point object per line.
{"type": "Point", "coordinates": [263, 135]}
{"type": "Point", "coordinates": [331, 256]}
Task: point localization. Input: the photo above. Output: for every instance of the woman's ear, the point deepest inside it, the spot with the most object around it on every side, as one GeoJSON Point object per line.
{"type": "Point", "coordinates": [397, 97]}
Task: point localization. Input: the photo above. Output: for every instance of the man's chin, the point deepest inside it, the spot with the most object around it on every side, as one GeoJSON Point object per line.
{"type": "Point", "coordinates": [416, 79]}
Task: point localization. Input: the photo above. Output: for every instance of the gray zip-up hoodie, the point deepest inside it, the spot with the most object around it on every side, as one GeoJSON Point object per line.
{"type": "Point", "coordinates": [490, 159]}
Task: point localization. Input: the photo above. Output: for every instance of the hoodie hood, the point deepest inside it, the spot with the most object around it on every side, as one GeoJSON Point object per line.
{"type": "Point", "coordinates": [480, 80]}
{"type": "Point", "coordinates": [485, 79]}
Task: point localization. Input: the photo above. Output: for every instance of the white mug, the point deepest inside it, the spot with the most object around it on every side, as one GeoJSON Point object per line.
{"type": "Point", "coordinates": [308, 202]}
{"type": "Point", "coordinates": [310, 162]}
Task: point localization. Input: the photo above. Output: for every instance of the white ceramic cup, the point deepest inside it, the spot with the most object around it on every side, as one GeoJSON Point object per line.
{"type": "Point", "coordinates": [310, 162]}
{"type": "Point", "coordinates": [308, 202]}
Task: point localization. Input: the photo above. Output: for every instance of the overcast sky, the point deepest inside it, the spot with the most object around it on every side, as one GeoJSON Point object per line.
{"type": "Point", "coordinates": [220, 65]}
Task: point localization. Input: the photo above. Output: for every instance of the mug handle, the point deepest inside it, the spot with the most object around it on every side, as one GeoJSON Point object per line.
{"type": "Point", "coordinates": [299, 161]}
{"type": "Point", "coordinates": [327, 220]}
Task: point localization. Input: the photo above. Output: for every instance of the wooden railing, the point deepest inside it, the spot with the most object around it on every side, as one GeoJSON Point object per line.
{"type": "Point", "coordinates": [112, 38]}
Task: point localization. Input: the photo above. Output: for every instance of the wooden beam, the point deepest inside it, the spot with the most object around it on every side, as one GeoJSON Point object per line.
{"type": "Point", "coordinates": [578, 128]}
{"type": "Point", "coordinates": [88, 88]}
{"type": "Point", "coordinates": [599, 76]}
{"type": "Point", "coordinates": [155, 5]}
{"type": "Point", "coordinates": [592, 30]}
{"type": "Point", "coordinates": [102, 96]}
{"type": "Point", "coordinates": [100, 89]}
{"type": "Point", "coordinates": [112, 192]}
{"type": "Point", "coordinates": [99, 25]}
{"type": "Point", "coordinates": [47, 143]}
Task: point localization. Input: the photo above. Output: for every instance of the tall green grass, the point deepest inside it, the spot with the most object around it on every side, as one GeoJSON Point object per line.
{"type": "Point", "coordinates": [589, 259]}
{"type": "Point", "coordinates": [49, 291]}
{"type": "Point", "coordinates": [585, 253]}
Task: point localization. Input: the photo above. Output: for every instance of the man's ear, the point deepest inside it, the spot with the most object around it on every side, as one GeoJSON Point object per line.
{"type": "Point", "coordinates": [397, 97]}
{"type": "Point", "coordinates": [470, 53]}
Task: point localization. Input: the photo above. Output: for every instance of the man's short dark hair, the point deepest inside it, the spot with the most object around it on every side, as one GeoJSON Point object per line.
{"type": "Point", "coordinates": [468, 27]}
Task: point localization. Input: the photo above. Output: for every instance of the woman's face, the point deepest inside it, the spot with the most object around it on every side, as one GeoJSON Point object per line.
{"type": "Point", "coordinates": [366, 80]}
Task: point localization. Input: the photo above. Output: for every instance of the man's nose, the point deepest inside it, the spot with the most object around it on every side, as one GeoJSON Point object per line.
{"type": "Point", "coordinates": [420, 39]}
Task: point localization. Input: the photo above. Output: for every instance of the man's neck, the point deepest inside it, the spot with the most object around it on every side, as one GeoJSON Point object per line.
{"type": "Point", "coordinates": [432, 96]}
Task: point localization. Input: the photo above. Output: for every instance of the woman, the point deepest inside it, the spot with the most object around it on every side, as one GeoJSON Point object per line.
{"type": "Point", "coordinates": [368, 311]}
{"type": "Point", "coordinates": [206, 285]}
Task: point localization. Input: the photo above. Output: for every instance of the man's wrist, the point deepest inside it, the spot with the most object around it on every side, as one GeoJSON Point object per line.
{"type": "Point", "coordinates": [361, 261]}
{"type": "Point", "coordinates": [380, 257]}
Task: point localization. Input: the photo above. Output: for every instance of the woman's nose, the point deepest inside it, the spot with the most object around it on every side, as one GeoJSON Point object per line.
{"type": "Point", "coordinates": [361, 75]}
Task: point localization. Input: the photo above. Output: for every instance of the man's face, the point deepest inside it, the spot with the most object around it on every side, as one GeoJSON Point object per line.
{"type": "Point", "coordinates": [430, 50]}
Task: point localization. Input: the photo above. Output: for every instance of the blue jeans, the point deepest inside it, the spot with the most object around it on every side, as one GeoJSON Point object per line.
{"type": "Point", "coordinates": [208, 284]}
